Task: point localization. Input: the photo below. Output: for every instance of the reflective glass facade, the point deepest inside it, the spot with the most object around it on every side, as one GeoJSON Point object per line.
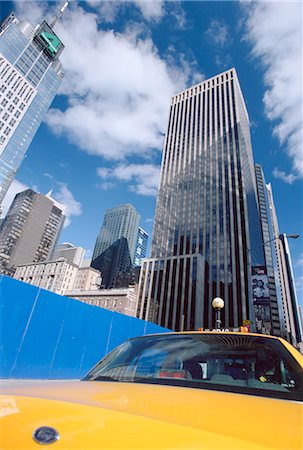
{"type": "Point", "coordinates": [116, 244]}
{"type": "Point", "coordinates": [29, 80]}
{"type": "Point", "coordinates": [207, 217]}
{"type": "Point", "coordinates": [141, 247]}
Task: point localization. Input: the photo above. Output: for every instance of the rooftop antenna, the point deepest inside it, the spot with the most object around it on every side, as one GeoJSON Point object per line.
{"type": "Point", "coordinates": [58, 15]}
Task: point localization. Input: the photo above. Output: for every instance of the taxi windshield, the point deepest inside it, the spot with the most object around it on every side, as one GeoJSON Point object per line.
{"type": "Point", "coordinates": [246, 364]}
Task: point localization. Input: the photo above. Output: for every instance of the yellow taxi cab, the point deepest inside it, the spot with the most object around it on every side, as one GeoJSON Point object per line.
{"type": "Point", "coordinates": [195, 390]}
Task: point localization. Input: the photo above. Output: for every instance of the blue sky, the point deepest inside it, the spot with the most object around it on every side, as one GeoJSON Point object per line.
{"type": "Point", "coordinates": [101, 142]}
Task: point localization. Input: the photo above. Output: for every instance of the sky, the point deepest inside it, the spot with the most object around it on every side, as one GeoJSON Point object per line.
{"type": "Point", "coordinates": [101, 142]}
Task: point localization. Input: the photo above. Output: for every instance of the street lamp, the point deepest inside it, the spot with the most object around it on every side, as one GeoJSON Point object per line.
{"type": "Point", "coordinates": [218, 304]}
{"type": "Point", "coordinates": [289, 236]}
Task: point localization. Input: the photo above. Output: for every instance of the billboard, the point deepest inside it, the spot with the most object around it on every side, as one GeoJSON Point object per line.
{"type": "Point", "coordinates": [261, 300]}
{"type": "Point", "coordinates": [260, 285]}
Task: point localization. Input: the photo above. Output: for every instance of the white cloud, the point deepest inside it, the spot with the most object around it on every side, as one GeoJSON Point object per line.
{"type": "Point", "coordinates": [66, 198]}
{"type": "Point", "coordinates": [117, 86]}
{"type": "Point", "coordinates": [217, 33]}
{"type": "Point", "coordinates": [151, 9]}
{"type": "Point", "coordinates": [299, 284]}
{"type": "Point", "coordinates": [106, 185]}
{"type": "Point", "coordinates": [14, 189]}
{"type": "Point", "coordinates": [143, 178]}
{"type": "Point", "coordinates": [274, 30]}
{"type": "Point", "coordinates": [289, 179]}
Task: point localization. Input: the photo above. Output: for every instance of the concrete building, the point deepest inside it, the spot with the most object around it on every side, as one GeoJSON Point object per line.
{"type": "Point", "coordinates": [118, 300]}
{"type": "Point", "coordinates": [285, 280]}
{"type": "Point", "coordinates": [55, 276]}
{"type": "Point", "coordinates": [116, 244]}
{"type": "Point", "coordinates": [30, 230]}
{"type": "Point", "coordinates": [70, 253]}
{"type": "Point", "coordinates": [268, 309]}
{"type": "Point", "coordinates": [30, 76]}
{"type": "Point", "coordinates": [141, 247]}
{"type": "Point", "coordinates": [87, 279]}
{"type": "Point", "coordinates": [59, 276]}
{"type": "Point", "coordinates": [207, 215]}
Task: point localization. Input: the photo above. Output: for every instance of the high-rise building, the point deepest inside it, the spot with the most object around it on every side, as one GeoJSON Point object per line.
{"type": "Point", "coordinates": [30, 230]}
{"type": "Point", "coordinates": [285, 281]}
{"type": "Point", "coordinates": [268, 309]}
{"type": "Point", "coordinates": [30, 75]}
{"type": "Point", "coordinates": [207, 216]}
{"type": "Point", "coordinates": [71, 253]}
{"type": "Point", "coordinates": [141, 247]}
{"type": "Point", "coordinates": [116, 244]}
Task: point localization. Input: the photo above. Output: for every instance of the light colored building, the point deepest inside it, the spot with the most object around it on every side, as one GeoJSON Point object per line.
{"type": "Point", "coordinates": [55, 276]}
{"type": "Point", "coordinates": [30, 76]}
{"type": "Point", "coordinates": [285, 281]}
{"type": "Point", "coordinates": [59, 276]}
{"type": "Point", "coordinates": [207, 215]}
{"type": "Point", "coordinates": [119, 300]}
{"type": "Point", "coordinates": [30, 230]}
{"type": "Point", "coordinates": [70, 253]}
{"type": "Point", "coordinates": [87, 279]}
{"type": "Point", "coordinates": [268, 309]}
{"type": "Point", "coordinates": [116, 244]}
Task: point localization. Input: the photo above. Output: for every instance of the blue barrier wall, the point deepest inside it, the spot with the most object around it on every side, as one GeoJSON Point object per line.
{"type": "Point", "coordinates": [45, 335]}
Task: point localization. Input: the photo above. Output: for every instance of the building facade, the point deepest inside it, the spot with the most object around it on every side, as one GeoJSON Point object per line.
{"type": "Point", "coordinates": [119, 300]}
{"type": "Point", "coordinates": [207, 215]}
{"type": "Point", "coordinates": [59, 276]}
{"type": "Point", "coordinates": [55, 276]}
{"type": "Point", "coordinates": [30, 76]}
{"type": "Point", "coordinates": [30, 230]}
{"type": "Point", "coordinates": [70, 253]}
{"type": "Point", "coordinates": [116, 244]}
{"type": "Point", "coordinates": [87, 279]}
{"type": "Point", "coordinates": [285, 281]}
{"type": "Point", "coordinates": [268, 307]}
{"type": "Point", "coordinates": [141, 247]}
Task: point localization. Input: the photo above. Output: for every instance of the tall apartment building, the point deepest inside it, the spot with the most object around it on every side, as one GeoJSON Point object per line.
{"type": "Point", "coordinates": [116, 244]}
{"type": "Point", "coordinates": [141, 247]}
{"type": "Point", "coordinates": [30, 76]}
{"type": "Point", "coordinates": [268, 308]}
{"type": "Point", "coordinates": [207, 216]}
{"type": "Point", "coordinates": [285, 280]}
{"type": "Point", "coordinates": [30, 230]}
{"type": "Point", "coordinates": [71, 253]}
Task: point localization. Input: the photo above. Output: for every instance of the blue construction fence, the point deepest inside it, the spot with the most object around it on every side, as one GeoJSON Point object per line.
{"type": "Point", "coordinates": [47, 336]}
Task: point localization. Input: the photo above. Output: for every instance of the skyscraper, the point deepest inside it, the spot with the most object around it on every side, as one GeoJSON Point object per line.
{"type": "Point", "coordinates": [30, 75]}
{"type": "Point", "coordinates": [141, 247]}
{"type": "Point", "coordinates": [30, 230]}
{"type": "Point", "coordinates": [71, 253]}
{"type": "Point", "coordinates": [207, 218]}
{"type": "Point", "coordinates": [115, 246]}
{"type": "Point", "coordinates": [268, 310]}
{"type": "Point", "coordinates": [285, 281]}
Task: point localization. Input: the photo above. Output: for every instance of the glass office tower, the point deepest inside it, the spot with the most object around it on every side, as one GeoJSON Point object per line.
{"type": "Point", "coordinates": [30, 75]}
{"type": "Point", "coordinates": [207, 218]}
{"type": "Point", "coordinates": [115, 246]}
{"type": "Point", "coordinates": [141, 247]}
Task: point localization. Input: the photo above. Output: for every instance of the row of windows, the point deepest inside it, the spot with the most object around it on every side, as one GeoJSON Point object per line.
{"type": "Point", "coordinates": [202, 87]}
